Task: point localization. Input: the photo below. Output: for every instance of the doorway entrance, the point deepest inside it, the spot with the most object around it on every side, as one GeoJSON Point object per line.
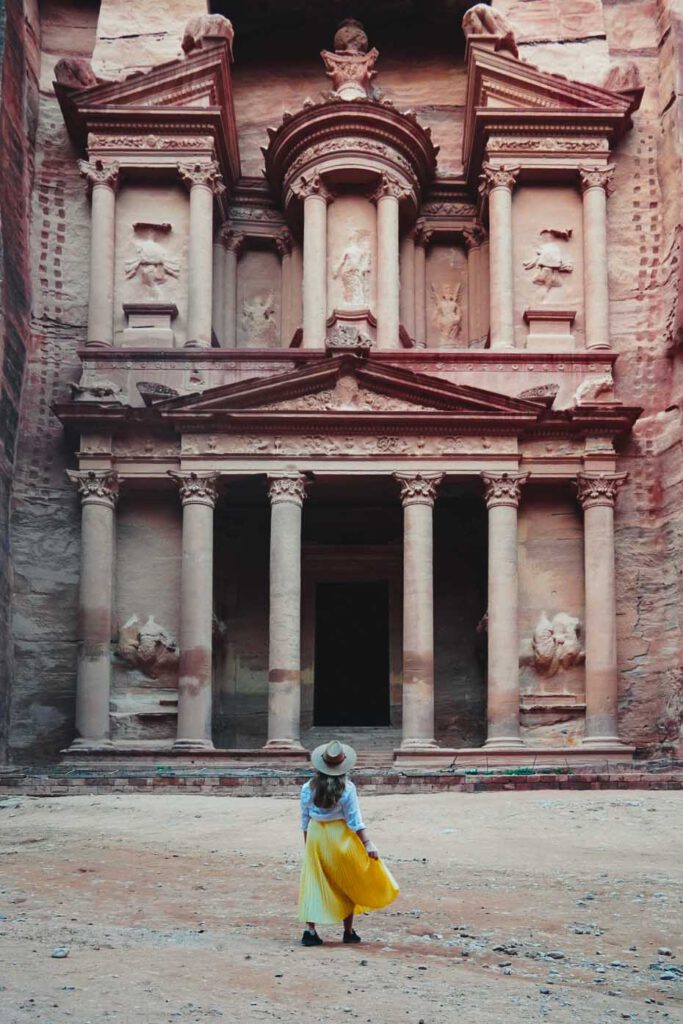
{"type": "Point", "coordinates": [351, 654]}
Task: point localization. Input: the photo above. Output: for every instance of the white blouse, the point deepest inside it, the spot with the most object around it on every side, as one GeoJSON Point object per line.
{"type": "Point", "coordinates": [346, 808]}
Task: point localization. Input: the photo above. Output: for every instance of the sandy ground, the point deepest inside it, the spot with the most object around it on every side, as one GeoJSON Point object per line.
{"type": "Point", "coordinates": [516, 907]}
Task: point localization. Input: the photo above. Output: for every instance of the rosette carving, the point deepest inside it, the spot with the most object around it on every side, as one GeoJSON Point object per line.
{"type": "Point", "coordinates": [599, 489]}
{"type": "Point", "coordinates": [418, 488]}
{"type": "Point", "coordinates": [503, 488]}
{"type": "Point", "coordinates": [99, 487]}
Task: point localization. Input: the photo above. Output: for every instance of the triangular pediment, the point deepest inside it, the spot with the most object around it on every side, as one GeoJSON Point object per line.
{"type": "Point", "coordinates": [347, 386]}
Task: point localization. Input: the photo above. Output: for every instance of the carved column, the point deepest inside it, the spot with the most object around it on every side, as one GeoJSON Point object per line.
{"type": "Point", "coordinates": [595, 186]}
{"type": "Point", "coordinates": [597, 494]}
{"type": "Point", "coordinates": [102, 180]}
{"type": "Point", "coordinates": [498, 183]}
{"type": "Point", "coordinates": [284, 248]}
{"type": "Point", "coordinates": [387, 196]}
{"type": "Point", "coordinates": [198, 496]}
{"type": "Point", "coordinates": [99, 492]}
{"type": "Point", "coordinates": [422, 239]}
{"type": "Point", "coordinates": [286, 495]}
{"type": "Point", "coordinates": [503, 493]}
{"type": "Point", "coordinates": [315, 197]}
{"type": "Point", "coordinates": [203, 181]}
{"type": "Point", "coordinates": [418, 493]}
{"type": "Point", "coordinates": [233, 244]}
{"type": "Point", "coordinates": [407, 283]}
{"type": "Point", "coordinates": [476, 296]}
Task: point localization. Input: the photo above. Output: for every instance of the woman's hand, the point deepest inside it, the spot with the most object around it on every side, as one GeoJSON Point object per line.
{"type": "Point", "coordinates": [371, 849]}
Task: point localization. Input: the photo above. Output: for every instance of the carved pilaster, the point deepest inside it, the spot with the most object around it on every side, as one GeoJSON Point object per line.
{"type": "Point", "coordinates": [503, 488]}
{"type": "Point", "coordinates": [290, 488]}
{"type": "Point", "coordinates": [196, 488]}
{"type": "Point", "coordinates": [597, 177]}
{"type": "Point", "coordinates": [423, 235]}
{"type": "Point", "coordinates": [284, 242]}
{"type": "Point", "coordinates": [97, 172]}
{"type": "Point", "coordinates": [202, 174]}
{"type": "Point", "coordinates": [96, 487]}
{"type": "Point", "coordinates": [474, 237]}
{"type": "Point", "coordinates": [497, 177]}
{"type": "Point", "coordinates": [231, 240]}
{"type": "Point", "coordinates": [418, 488]}
{"type": "Point", "coordinates": [599, 489]}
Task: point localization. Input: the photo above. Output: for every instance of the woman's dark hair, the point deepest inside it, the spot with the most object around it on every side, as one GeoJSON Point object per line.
{"type": "Point", "coordinates": [327, 789]}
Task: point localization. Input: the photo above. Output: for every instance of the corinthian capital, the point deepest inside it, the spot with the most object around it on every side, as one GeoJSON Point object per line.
{"type": "Point", "coordinates": [311, 185]}
{"type": "Point", "coordinates": [599, 489]}
{"type": "Point", "coordinates": [196, 488]}
{"type": "Point", "coordinates": [497, 177]}
{"type": "Point", "coordinates": [418, 488]}
{"type": "Point", "coordinates": [96, 487]}
{"type": "Point", "coordinates": [503, 488]}
{"type": "Point", "coordinates": [597, 177]}
{"type": "Point", "coordinates": [474, 236]}
{"type": "Point", "coordinates": [284, 242]}
{"type": "Point", "coordinates": [231, 240]}
{"type": "Point", "coordinates": [97, 172]}
{"type": "Point", "coordinates": [389, 186]}
{"type": "Point", "coordinates": [290, 487]}
{"type": "Point", "coordinates": [202, 173]}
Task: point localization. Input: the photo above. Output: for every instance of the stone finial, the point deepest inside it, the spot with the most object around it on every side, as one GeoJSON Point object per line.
{"type": "Point", "coordinates": [482, 20]}
{"type": "Point", "coordinates": [350, 37]}
{"type": "Point", "coordinates": [599, 489]}
{"type": "Point", "coordinates": [75, 73]}
{"type": "Point", "coordinates": [418, 488]}
{"type": "Point", "coordinates": [96, 487]}
{"type": "Point", "coordinates": [207, 26]}
{"type": "Point", "coordinates": [351, 65]}
{"type": "Point", "coordinates": [503, 488]}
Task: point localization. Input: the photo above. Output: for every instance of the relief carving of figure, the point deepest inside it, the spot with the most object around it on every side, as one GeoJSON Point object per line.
{"type": "Point", "coordinates": [151, 264]}
{"type": "Point", "coordinates": [258, 316]}
{"type": "Point", "coordinates": [556, 644]}
{"type": "Point", "coordinates": [549, 263]}
{"type": "Point", "coordinates": [447, 314]}
{"type": "Point", "coordinates": [147, 647]}
{"type": "Point", "coordinates": [353, 270]}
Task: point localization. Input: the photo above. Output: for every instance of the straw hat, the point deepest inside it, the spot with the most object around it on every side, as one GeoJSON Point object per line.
{"type": "Point", "coordinates": [333, 758]}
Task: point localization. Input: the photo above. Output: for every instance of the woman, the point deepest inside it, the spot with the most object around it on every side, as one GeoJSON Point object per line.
{"type": "Point", "coordinates": [342, 874]}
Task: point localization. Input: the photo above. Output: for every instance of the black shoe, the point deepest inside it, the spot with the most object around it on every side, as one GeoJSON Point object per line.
{"type": "Point", "coordinates": [311, 939]}
{"type": "Point", "coordinates": [351, 937]}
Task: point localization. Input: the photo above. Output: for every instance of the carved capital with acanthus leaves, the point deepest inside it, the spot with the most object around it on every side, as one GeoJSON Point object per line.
{"type": "Point", "coordinates": [423, 234]}
{"type": "Point", "coordinates": [597, 177]}
{"type": "Point", "coordinates": [497, 177]}
{"type": "Point", "coordinates": [202, 174]}
{"type": "Point", "coordinates": [391, 187]}
{"type": "Point", "coordinates": [284, 242]}
{"type": "Point", "coordinates": [311, 185]}
{"type": "Point", "coordinates": [231, 240]}
{"type": "Point", "coordinates": [418, 488]}
{"type": "Point", "coordinates": [99, 172]}
{"type": "Point", "coordinates": [351, 73]}
{"type": "Point", "coordinates": [196, 488]}
{"type": "Point", "coordinates": [599, 488]}
{"type": "Point", "coordinates": [290, 487]}
{"type": "Point", "coordinates": [503, 488]}
{"type": "Point", "coordinates": [96, 487]}
{"type": "Point", "coordinates": [474, 237]}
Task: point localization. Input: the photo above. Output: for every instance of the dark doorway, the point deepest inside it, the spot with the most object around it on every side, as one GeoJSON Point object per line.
{"type": "Point", "coordinates": [351, 654]}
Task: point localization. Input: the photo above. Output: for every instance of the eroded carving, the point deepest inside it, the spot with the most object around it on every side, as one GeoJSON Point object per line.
{"type": "Point", "coordinates": [347, 395]}
{"type": "Point", "coordinates": [100, 172]}
{"type": "Point", "coordinates": [258, 316]}
{"type": "Point", "coordinates": [351, 65]}
{"type": "Point", "coordinates": [207, 26]}
{"type": "Point", "coordinates": [599, 489]}
{"type": "Point", "coordinates": [590, 390]}
{"type": "Point", "coordinates": [148, 647]}
{"type": "Point", "coordinates": [418, 488]}
{"type": "Point", "coordinates": [202, 173]}
{"type": "Point", "coordinates": [548, 261]}
{"type": "Point", "coordinates": [96, 486]}
{"type": "Point", "coordinates": [353, 270]}
{"type": "Point", "coordinates": [446, 311]}
{"type": "Point", "coordinates": [151, 265]}
{"type": "Point", "coordinates": [597, 177]}
{"type": "Point", "coordinates": [75, 73]}
{"type": "Point", "coordinates": [556, 644]}
{"type": "Point", "coordinates": [96, 389]}
{"type": "Point", "coordinates": [482, 20]}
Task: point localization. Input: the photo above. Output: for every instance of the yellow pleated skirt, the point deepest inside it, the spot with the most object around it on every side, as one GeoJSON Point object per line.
{"type": "Point", "coordinates": [338, 877]}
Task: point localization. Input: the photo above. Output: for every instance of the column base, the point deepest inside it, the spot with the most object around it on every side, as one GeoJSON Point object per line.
{"type": "Point", "coordinates": [85, 744]}
{"type": "Point", "coordinates": [603, 346]}
{"type": "Point", "coordinates": [190, 745]}
{"type": "Point", "coordinates": [275, 745]}
{"type": "Point", "coordinates": [419, 745]}
{"type": "Point", "coordinates": [604, 743]}
{"type": "Point", "coordinates": [197, 344]}
{"type": "Point", "coordinates": [503, 743]}
{"type": "Point", "coordinates": [99, 344]}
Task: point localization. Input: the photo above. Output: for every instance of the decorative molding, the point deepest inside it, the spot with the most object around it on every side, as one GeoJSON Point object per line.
{"type": "Point", "coordinates": [597, 177]}
{"type": "Point", "coordinates": [202, 173]}
{"type": "Point", "coordinates": [347, 396]}
{"type": "Point", "coordinates": [196, 488]}
{"type": "Point", "coordinates": [418, 488]}
{"type": "Point", "coordinates": [599, 489]}
{"type": "Point", "coordinates": [497, 177]}
{"type": "Point", "coordinates": [96, 487]}
{"type": "Point", "coordinates": [442, 208]}
{"type": "Point", "coordinates": [287, 488]}
{"type": "Point", "coordinates": [503, 488]}
{"type": "Point", "coordinates": [157, 143]}
{"type": "Point", "coordinates": [349, 144]}
{"type": "Point", "coordinates": [97, 172]}
{"type": "Point", "coordinates": [547, 144]}
{"type": "Point", "coordinates": [340, 446]}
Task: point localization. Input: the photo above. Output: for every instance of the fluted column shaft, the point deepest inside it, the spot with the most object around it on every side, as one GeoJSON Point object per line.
{"type": "Point", "coordinates": [286, 495]}
{"type": "Point", "coordinates": [315, 198]}
{"type": "Point", "coordinates": [198, 496]}
{"type": "Point", "coordinates": [203, 181]}
{"type": "Point", "coordinates": [476, 296]}
{"type": "Point", "coordinates": [595, 185]}
{"type": "Point", "coordinates": [407, 283]}
{"type": "Point", "coordinates": [103, 180]}
{"type": "Point", "coordinates": [99, 493]}
{"type": "Point", "coordinates": [418, 493]}
{"type": "Point", "coordinates": [503, 494]}
{"type": "Point", "coordinates": [597, 495]}
{"type": "Point", "coordinates": [387, 198]}
{"type": "Point", "coordinates": [498, 183]}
